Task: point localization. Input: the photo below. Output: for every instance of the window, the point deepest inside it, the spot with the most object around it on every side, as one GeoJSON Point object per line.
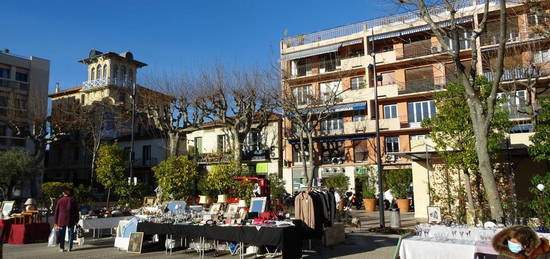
{"type": "Point", "coordinates": [360, 150]}
{"type": "Point", "coordinates": [92, 74]}
{"type": "Point", "coordinates": [357, 83]}
{"type": "Point", "coordinates": [301, 67]}
{"type": "Point", "coordinates": [297, 154]}
{"type": "Point", "coordinates": [114, 71]}
{"type": "Point", "coordinates": [223, 142]}
{"type": "Point", "coordinates": [23, 77]}
{"type": "Point", "coordinates": [359, 115]}
{"type": "Point", "coordinates": [332, 152]}
{"type": "Point", "coordinates": [419, 111]}
{"type": "Point", "coordinates": [146, 153]}
{"type": "Point", "coordinates": [330, 90]}
{"type": "Point", "coordinates": [5, 72]}
{"type": "Point", "coordinates": [83, 99]}
{"type": "Point", "coordinates": [76, 153]}
{"type": "Point", "coordinates": [98, 75]}
{"type": "Point", "coordinates": [418, 137]}
{"type": "Point", "coordinates": [198, 145]}
{"type": "Point", "coordinates": [105, 71]}
{"type": "Point", "coordinates": [253, 140]}
{"type": "Point", "coordinates": [390, 111]}
{"type": "Point", "coordinates": [334, 125]}
{"type": "Point", "coordinates": [302, 94]}
{"type": "Point", "coordinates": [542, 56]}
{"type": "Point", "coordinates": [534, 19]}
{"type": "Point", "coordinates": [463, 41]}
{"type": "Point", "coordinates": [3, 101]}
{"type": "Point", "coordinates": [329, 62]}
{"type": "Point", "coordinates": [392, 144]}
{"type": "Point", "coordinates": [516, 103]}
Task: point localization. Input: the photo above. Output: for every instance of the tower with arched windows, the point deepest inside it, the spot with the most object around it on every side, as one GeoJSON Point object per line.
{"type": "Point", "coordinates": [110, 69]}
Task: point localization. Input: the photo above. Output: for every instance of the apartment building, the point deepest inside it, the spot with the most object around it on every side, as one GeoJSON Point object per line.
{"type": "Point", "coordinates": [410, 66]}
{"type": "Point", "coordinates": [261, 153]}
{"type": "Point", "coordinates": [110, 80]}
{"type": "Point", "coordinates": [23, 95]}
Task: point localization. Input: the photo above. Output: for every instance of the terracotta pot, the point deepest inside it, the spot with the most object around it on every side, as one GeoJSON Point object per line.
{"type": "Point", "coordinates": [370, 204]}
{"type": "Point", "coordinates": [403, 205]}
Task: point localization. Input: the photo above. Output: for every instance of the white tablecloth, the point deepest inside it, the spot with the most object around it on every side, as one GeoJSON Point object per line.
{"type": "Point", "coordinates": [419, 248]}
{"type": "Point", "coordinates": [101, 223]}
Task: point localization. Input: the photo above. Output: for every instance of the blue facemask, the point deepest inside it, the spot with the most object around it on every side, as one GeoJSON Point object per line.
{"type": "Point", "coordinates": [514, 248]}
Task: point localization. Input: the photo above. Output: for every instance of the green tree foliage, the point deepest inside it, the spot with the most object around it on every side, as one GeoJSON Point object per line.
{"type": "Point", "coordinates": [83, 194]}
{"type": "Point", "coordinates": [111, 167]}
{"type": "Point", "coordinates": [399, 181]}
{"type": "Point", "coordinates": [16, 165]}
{"type": "Point", "coordinates": [243, 190]}
{"type": "Point", "coordinates": [55, 189]}
{"type": "Point", "coordinates": [276, 187]}
{"type": "Point", "coordinates": [220, 178]}
{"type": "Point", "coordinates": [540, 150]}
{"type": "Point", "coordinates": [130, 196]}
{"type": "Point", "coordinates": [339, 182]}
{"type": "Point", "coordinates": [176, 176]}
{"type": "Point", "coordinates": [452, 128]}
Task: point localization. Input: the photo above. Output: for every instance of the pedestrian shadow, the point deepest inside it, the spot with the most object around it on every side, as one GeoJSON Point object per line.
{"type": "Point", "coordinates": [355, 244]}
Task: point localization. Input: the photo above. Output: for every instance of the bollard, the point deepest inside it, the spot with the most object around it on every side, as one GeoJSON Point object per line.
{"type": "Point", "coordinates": [395, 218]}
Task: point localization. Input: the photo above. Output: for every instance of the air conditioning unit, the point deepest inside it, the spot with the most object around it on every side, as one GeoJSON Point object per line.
{"type": "Point", "coordinates": [391, 158]}
{"type": "Point", "coordinates": [436, 49]}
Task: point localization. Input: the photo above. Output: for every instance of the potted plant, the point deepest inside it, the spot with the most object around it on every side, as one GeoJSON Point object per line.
{"type": "Point", "coordinates": [398, 181]}
{"type": "Point", "coordinates": [369, 192]}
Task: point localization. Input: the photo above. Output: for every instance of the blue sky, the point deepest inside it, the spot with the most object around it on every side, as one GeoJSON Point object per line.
{"type": "Point", "coordinates": [168, 35]}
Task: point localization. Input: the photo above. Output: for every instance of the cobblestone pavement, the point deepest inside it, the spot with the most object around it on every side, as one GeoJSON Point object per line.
{"type": "Point", "coordinates": [359, 245]}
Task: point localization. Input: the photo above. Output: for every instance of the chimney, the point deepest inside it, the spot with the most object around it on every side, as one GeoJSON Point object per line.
{"type": "Point", "coordinates": [57, 89]}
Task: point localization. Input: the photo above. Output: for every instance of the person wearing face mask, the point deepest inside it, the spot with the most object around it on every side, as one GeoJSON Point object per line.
{"type": "Point", "coordinates": [520, 242]}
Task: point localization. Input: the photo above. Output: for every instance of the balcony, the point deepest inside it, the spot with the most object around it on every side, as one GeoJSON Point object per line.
{"type": "Point", "coordinates": [331, 132]}
{"type": "Point", "coordinates": [144, 163]}
{"type": "Point", "coordinates": [385, 57]}
{"type": "Point", "coordinates": [517, 74]}
{"type": "Point", "coordinates": [493, 38]}
{"type": "Point", "coordinates": [354, 127]}
{"type": "Point", "coordinates": [422, 85]}
{"type": "Point", "coordinates": [352, 62]}
{"type": "Point", "coordinates": [104, 82]}
{"type": "Point", "coordinates": [256, 155]}
{"type": "Point", "coordinates": [328, 66]}
{"type": "Point", "coordinates": [4, 82]}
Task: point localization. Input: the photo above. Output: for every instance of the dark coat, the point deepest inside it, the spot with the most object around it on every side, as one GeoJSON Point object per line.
{"type": "Point", "coordinates": [66, 211]}
{"type": "Point", "coordinates": [540, 249]}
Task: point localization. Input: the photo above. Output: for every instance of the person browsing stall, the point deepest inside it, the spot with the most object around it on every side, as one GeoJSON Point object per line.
{"type": "Point", "coordinates": [521, 242]}
{"type": "Point", "coordinates": [66, 216]}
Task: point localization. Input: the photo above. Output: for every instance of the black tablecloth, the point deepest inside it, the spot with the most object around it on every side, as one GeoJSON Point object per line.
{"type": "Point", "coordinates": [285, 238]}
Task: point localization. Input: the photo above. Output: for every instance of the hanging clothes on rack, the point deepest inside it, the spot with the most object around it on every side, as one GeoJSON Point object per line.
{"type": "Point", "coordinates": [304, 209]}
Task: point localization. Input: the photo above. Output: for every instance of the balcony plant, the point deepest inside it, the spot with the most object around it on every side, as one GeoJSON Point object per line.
{"type": "Point", "coordinates": [399, 181]}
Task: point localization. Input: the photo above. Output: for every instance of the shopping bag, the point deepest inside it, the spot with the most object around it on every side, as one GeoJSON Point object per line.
{"type": "Point", "coordinates": [52, 240]}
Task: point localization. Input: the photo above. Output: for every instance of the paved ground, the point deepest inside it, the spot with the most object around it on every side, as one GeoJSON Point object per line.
{"type": "Point", "coordinates": [359, 244]}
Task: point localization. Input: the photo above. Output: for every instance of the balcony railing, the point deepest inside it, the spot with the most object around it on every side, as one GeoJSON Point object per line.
{"type": "Point", "coordinates": [103, 82]}
{"type": "Point", "coordinates": [327, 66]}
{"type": "Point", "coordinates": [517, 74]}
{"type": "Point", "coordinates": [4, 82]}
{"type": "Point", "coordinates": [331, 132]}
{"type": "Point", "coordinates": [423, 85]}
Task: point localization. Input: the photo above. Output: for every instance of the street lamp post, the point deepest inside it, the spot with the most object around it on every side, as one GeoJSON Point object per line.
{"type": "Point", "coordinates": [378, 155]}
{"type": "Point", "coordinates": [131, 159]}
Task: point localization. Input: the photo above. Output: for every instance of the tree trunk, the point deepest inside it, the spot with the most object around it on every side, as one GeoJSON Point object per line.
{"type": "Point", "coordinates": [108, 198]}
{"type": "Point", "coordinates": [486, 170]}
{"type": "Point", "coordinates": [469, 196]}
{"type": "Point", "coordinates": [173, 144]}
{"type": "Point", "coordinates": [310, 161]}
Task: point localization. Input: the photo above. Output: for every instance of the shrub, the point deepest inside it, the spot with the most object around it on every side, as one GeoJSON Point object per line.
{"type": "Point", "coordinates": [339, 182]}
{"type": "Point", "coordinates": [276, 187]}
{"type": "Point", "coordinates": [176, 176]}
{"type": "Point", "coordinates": [398, 181]}
{"type": "Point", "coordinates": [55, 189]}
{"type": "Point", "coordinates": [369, 184]}
{"type": "Point", "coordinates": [541, 199]}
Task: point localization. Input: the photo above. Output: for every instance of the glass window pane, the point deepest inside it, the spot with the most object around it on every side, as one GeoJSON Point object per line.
{"type": "Point", "coordinates": [410, 109]}
{"type": "Point", "coordinates": [394, 111]}
{"type": "Point", "coordinates": [418, 112]}
{"type": "Point", "coordinates": [425, 110]}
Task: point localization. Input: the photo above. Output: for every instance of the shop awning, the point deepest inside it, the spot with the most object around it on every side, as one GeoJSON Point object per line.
{"type": "Point", "coordinates": [417, 29]}
{"type": "Point", "coordinates": [333, 139]}
{"type": "Point", "coordinates": [343, 107]}
{"type": "Point", "coordinates": [311, 52]}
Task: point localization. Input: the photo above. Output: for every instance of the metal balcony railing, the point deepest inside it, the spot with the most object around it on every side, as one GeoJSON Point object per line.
{"type": "Point", "coordinates": [423, 85]}
{"type": "Point", "coordinates": [392, 20]}
{"type": "Point", "coordinates": [103, 82]}
{"type": "Point", "coordinates": [517, 74]}
{"type": "Point", "coordinates": [5, 82]}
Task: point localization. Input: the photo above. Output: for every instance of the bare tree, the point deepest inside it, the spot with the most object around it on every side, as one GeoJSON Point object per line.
{"type": "Point", "coordinates": [176, 110]}
{"type": "Point", "coordinates": [241, 101]}
{"type": "Point", "coordinates": [481, 109]}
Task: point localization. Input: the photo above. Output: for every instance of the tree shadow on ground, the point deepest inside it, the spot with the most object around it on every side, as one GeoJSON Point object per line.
{"type": "Point", "coordinates": [355, 244]}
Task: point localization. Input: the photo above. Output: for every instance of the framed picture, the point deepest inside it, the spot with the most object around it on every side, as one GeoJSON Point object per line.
{"type": "Point", "coordinates": [7, 207]}
{"type": "Point", "coordinates": [434, 214]}
{"type": "Point", "coordinates": [176, 205]}
{"type": "Point", "coordinates": [149, 201]}
{"type": "Point", "coordinates": [215, 208]}
{"type": "Point", "coordinates": [135, 243]}
{"type": "Point", "coordinates": [242, 213]}
{"type": "Point", "coordinates": [232, 209]}
{"type": "Point", "coordinates": [257, 204]}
